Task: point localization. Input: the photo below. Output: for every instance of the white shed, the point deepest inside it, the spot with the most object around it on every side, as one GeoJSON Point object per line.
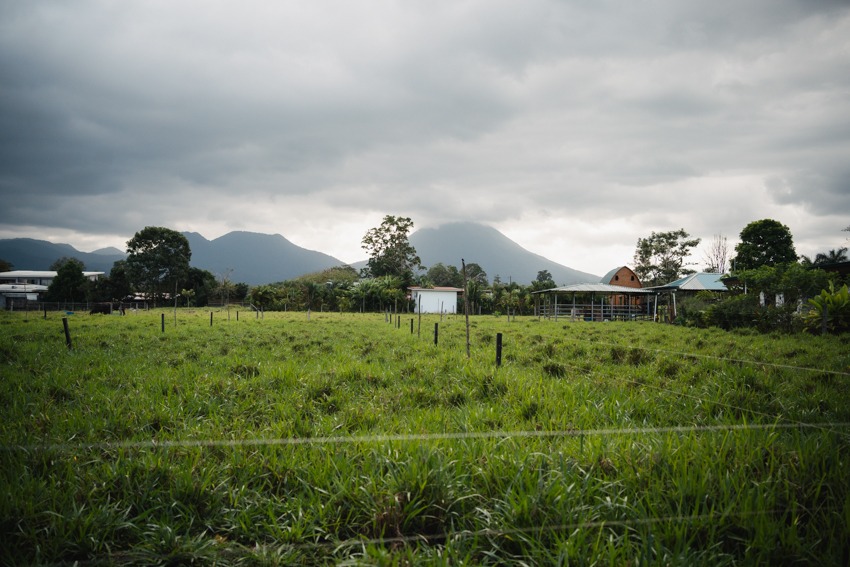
{"type": "Point", "coordinates": [435, 299]}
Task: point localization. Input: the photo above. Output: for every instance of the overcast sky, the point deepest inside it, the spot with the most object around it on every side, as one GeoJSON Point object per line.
{"type": "Point", "coordinates": [575, 128]}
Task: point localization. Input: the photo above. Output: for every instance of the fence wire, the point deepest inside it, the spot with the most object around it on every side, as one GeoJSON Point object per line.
{"type": "Point", "coordinates": [841, 428]}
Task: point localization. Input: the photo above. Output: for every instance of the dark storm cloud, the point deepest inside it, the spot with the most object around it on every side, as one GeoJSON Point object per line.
{"type": "Point", "coordinates": [118, 115]}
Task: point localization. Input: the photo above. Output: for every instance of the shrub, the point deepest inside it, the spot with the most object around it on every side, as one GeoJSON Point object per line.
{"type": "Point", "coordinates": [830, 310]}
{"type": "Point", "coordinates": [745, 311]}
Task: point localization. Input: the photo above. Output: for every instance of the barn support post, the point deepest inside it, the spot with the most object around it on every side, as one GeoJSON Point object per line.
{"type": "Point", "coordinates": [556, 306]}
{"type": "Point", "coordinates": [674, 307]}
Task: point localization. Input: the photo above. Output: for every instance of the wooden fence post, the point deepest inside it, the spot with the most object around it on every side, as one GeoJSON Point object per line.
{"type": "Point", "coordinates": [67, 332]}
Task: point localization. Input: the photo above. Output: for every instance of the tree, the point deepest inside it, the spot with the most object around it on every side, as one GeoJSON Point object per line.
{"type": "Point", "coordinates": [158, 260]}
{"type": "Point", "coordinates": [115, 286]}
{"type": "Point", "coordinates": [202, 283]}
{"type": "Point", "coordinates": [831, 257]}
{"type": "Point", "coordinates": [390, 251]}
{"type": "Point", "coordinates": [717, 255]}
{"type": "Point", "coordinates": [5, 266]}
{"type": "Point", "coordinates": [264, 296]}
{"type": "Point", "coordinates": [476, 273]}
{"type": "Point", "coordinates": [69, 283]}
{"type": "Point", "coordinates": [660, 258]}
{"type": "Point", "coordinates": [444, 276]}
{"type": "Point", "coordinates": [764, 242]}
{"type": "Point", "coordinates": [544, 280]}
{"type": "Point", "coordinates": [59, 262]}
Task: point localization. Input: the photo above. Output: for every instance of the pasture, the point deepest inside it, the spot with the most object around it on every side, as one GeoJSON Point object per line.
{"type": "Point", "coordinates": [347, 439]}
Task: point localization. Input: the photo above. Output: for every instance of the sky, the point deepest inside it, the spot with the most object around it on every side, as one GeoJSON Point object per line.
{"type": "Point", "coordinates": [573, 127]}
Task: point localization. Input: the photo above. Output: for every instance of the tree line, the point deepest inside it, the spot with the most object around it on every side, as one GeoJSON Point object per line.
{"type": "Point", "coordinates": [157, 269]}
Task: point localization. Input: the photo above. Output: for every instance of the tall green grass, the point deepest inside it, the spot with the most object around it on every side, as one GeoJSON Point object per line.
{"type": "Point", "coordinates": [345, 439]}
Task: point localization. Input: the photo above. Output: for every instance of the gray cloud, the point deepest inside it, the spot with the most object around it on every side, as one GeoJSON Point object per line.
{"type": "Point", "coordinates": [117, 116]}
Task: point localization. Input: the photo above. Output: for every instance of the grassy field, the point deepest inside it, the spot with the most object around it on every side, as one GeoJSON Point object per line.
{"type": "Point", "coordinates": [346, 439]}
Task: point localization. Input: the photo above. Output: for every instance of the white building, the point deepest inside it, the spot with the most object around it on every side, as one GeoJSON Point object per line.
{"type": "Point", "coordinates": [37, 277]}
{"type": "Point", "coordinates": [28, 285]}
{"type": "Point", "coordinates": [435, 299]}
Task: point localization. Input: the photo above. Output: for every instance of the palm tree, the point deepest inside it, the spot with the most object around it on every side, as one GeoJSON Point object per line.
{"type": "Point", "coordinates": [831, 257]}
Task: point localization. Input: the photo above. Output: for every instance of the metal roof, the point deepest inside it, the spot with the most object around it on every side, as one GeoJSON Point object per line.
{"type": "Point", "coordinates": [597, 288]}
{"type": "Point", "coordinates": [695, 282]}
{"type": "Point", "coordinates": [607, 277]}
{"type": "Point", "coordinates": [22, 288]}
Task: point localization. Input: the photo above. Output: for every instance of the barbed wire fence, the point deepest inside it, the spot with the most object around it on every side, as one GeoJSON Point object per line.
{"type": "Point", "coordinates": [837, 428]}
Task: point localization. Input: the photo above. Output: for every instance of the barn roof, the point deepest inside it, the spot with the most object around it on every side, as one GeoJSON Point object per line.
{"type": "Point", "coordinates": [436, 288]}
{"type": "Point", "coordinates": [596, 288]}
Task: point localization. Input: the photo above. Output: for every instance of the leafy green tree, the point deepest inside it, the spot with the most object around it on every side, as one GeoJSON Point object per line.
{"type": "Point", "coordinates": [5, 266]}
{"type": "Point", "coordinates": [444, 276]}
{"type": "Point", "coordinates": [337, 275]}
{"type": "Point", "coordinates": [476, 273]}
{"type": "Point", "coordinates": [265, 296]}
{"type": "Point", "coordinates": [660, 258]}
{"type": "Point", "coordinates": [390, 251]}
{"type": "Point", "coordinates": [793, 281]}
{"type": "Point", "coordinates": [69, 283]}
{"type": "Point", "coordinates": [543, 280]}
{"type": "Point", "coordinates": [115, 286]}
{"type": "Point", "coordinates": [765, 242]}
{"type": "Point", "coordinates": [59, 262]}
{"type": "Point", "coordinates": [203, 285]}
{"type": "Point", "coordinates": [187, 294]}
{"type": "Point", "coordinates": [158, 261]}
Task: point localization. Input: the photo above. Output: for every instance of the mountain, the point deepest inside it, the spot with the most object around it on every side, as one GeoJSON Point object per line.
{"type": "Point", "coordinates": [255, 258]}
{"type": "Point", "coordinates": [109, 251]}
{"type": "Point", "coordinates": [493, 251]}
{"type": "Point", "coordinates": [31, 254]}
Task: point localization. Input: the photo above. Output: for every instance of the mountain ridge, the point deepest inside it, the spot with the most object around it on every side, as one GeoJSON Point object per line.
{"type": "Point", "coordinates": [257, 258]}
{"type": "Point", "coordinates": [497, 254]}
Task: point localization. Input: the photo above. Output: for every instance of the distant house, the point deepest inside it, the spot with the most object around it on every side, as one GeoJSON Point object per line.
{"type": "Point", "coordinates": [37, 277]}
{"type": "Point", "coordinates": [19, 286]}
{"type": "Point", "coordinates": [435, 299]}
{"type": "Point", "coordinates": [690, 285]}
{"type": "Point", "coordinates": [702, 281]}
{"type": "Point", "coordinates": [12, 295]}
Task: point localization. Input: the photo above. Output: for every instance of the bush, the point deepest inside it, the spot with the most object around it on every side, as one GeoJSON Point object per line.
{"type": "Point", "coordinates": [695, 311]}
{"type": "Point", "coordinates": [744, 311]}
{"type": "Point", "coordinates": [830, 310]}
